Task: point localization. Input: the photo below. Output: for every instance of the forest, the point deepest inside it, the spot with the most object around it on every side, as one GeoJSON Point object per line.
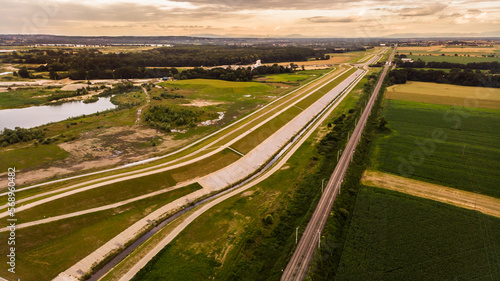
{"type": "Point", "coordinates": [93, 64]}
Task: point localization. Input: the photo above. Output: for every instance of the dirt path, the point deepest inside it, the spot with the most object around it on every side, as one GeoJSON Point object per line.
{"type": "Point", "coordinates": [139, 111]}
{"type": "Point", "coordinates": [464, 199]}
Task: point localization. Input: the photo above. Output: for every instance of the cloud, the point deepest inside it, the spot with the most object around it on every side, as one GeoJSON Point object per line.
{"type": "Point", "coordinates": [322, 19]}
{"type": "Point", "coordinates": [468, 16]}
{"type": "Point", "coordinates": [421, 11]}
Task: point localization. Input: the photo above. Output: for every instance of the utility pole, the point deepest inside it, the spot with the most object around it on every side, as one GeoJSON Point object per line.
{"type": "Point", "coordinates": [319, 239]}
{"type": "Point", "coordinates": [322, 182]}
{"type": "Point", "coordinates": [296, 235]}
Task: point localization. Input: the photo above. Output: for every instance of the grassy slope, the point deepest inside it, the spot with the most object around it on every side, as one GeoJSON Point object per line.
{"type": "Point", "coordinates": [46, 250]}
{"type": "Point", "coordinates": [119, 191]}
{"type": "Point", "coordinates": [394, 236]}
{"type": "Point", "coordinates": [468, 159]}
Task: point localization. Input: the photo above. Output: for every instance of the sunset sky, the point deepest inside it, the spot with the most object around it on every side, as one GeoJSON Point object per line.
{"type": "Point", "coordinates": [258, 18]}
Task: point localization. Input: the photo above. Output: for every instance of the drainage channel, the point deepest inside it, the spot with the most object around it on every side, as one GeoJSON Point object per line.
{"type": "Point", "coordinates": [114, 261]}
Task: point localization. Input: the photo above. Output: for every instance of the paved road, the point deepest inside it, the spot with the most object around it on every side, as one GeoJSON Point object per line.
{"type": "Point", "coordinates": [302, 257]}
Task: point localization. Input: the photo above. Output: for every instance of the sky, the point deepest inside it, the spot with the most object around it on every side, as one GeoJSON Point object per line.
{"type": "Point", "coordinates": [252, 18]}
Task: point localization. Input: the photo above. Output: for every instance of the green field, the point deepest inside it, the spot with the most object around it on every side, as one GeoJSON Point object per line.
{"type": "Point", "coordinates": [452, 146]}
{"type": "Point", "coordinates": [480, 97]}
{"type": "Point", "coordinates": [393, 236]}
{"type": "Point", "coordinates": [451, 58]}
{"type": "Point", "coordinates": [48, 249]}
{"type": "Point", "coordinates": [24, 97]}
{"type": "Point", "coordinates": [42, 155]}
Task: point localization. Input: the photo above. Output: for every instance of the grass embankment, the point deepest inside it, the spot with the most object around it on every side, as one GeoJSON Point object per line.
{"type": "Point", "coordinates": [456, 147]}
{"type": "Point", "coordinates": [262, 133]}
{"type": "Point", "coordinates": [394, 236]}
{"type": "Point", "coordinates": [251, 236]}
{"type": "Point", "coordinates": [434, 93]}
{"type": "Point", "coordinates": [124, 190]}
{"type": "Point", "coordinates": [46, 250]}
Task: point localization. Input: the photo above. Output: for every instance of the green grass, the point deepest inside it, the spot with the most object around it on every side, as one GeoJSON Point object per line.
{"type": "Point", "coordinates": [44, 251]}
{"type": "Point", "coordinates": [460, 59]}
{"type": "Point", "coordinates": [124, 190]}
{"type": "Point", "coordinates": [394, 236]}
{"type": "Point", "coordinates": [257, 136]}
{"type": "Point", "coordinates": [468, 159]}
{"type": "Point", "coordinates": [286, 77]}
{"type": "Point", "coordinates": [31, 156]}
{"type": "Point", "coordinates": [23, 97]}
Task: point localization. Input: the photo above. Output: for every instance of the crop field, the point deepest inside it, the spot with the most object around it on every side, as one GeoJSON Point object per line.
{"type": "Point", "coordinates": [394, 236]}
{"type": "Point", "coordinates": [480, 97]}
{"type": "Point", "coordinates": [454, 59]}
{"type": "Point", "coordinates": [450, 50]}
{"type": "Point", "coordinates": [452, 146]}
{"type": "Point", "coordinates": [51, 248]}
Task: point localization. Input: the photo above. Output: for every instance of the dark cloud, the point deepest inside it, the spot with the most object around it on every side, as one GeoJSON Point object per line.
{"type": "Point", "coordinates": [321, 19]}
{"type": "Point", "coordinates": [421, 11]}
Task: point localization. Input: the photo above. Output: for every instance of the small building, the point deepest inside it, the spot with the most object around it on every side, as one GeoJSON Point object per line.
{"type": "Point", "coordinates": [407, 60]}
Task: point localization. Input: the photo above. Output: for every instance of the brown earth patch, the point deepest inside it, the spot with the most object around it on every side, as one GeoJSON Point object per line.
{"type": "Point", "coordinates": [460, 198]}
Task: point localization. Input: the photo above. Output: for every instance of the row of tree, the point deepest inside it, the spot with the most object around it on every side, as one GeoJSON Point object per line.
{"type": "Point", "coordinates": [93, 59]}
{"type": "Point", "coordinates": [464, 77]}
{"type": "Point", "coordinates": [8, 136]}
{"type": "Point", "coordinates": [493, 67]}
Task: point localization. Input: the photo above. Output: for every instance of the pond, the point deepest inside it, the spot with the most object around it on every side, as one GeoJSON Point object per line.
{"type": "Point", "coordinates": [39, 115]}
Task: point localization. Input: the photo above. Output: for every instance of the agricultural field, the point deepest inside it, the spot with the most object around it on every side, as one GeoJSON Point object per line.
{"type": "Point", "coordinates": [394, 236]}
{"type": "Point", "coordinates": [450, 50]}
{"type": "Point", "coordinates": [454, 59]}
{"type": "Point", "coordinates": [434, 93]}
{"type": "Point", "coordinates": [452, 146]}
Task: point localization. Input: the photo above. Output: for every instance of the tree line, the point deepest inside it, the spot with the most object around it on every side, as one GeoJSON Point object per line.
{"type": "Point", "coordinates": [92, 63]}
{"type": "Point", "coordinates": [493, 67]}
{"type": "Point", "coordinates": [465, 77]}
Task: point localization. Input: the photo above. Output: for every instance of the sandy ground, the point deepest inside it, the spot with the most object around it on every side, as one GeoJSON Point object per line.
{"type": "Point", "coordinates": [464, 199]}
{"type": "Point", "coordinates": [200, 103]}
{"type": "Point", "coordinates": [73, 87]}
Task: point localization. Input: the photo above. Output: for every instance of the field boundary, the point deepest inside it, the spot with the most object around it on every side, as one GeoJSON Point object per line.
{"type": "Point", "coordinates": [464, 199]}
